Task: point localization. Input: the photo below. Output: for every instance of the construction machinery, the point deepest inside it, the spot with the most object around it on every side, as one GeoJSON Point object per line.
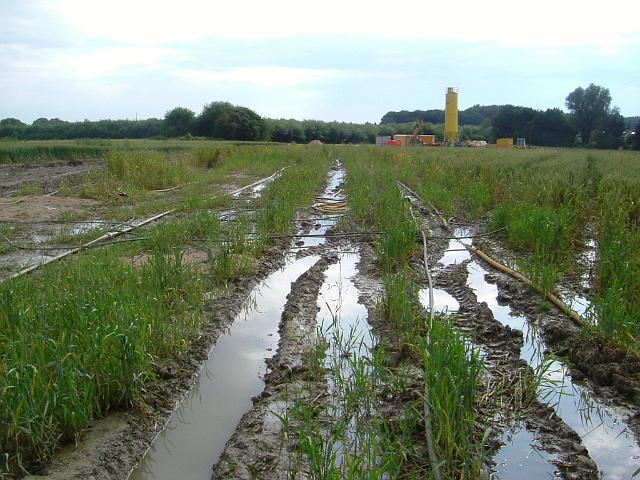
{"type": "Point", "coordinates": [416, 131]}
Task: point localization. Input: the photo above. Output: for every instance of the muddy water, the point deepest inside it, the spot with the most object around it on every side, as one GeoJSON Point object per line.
{"type": "Point", "coordinates": [322, 225]}
{"type": "Point", "coordinates": [344, 322]}
{"type": "Point", "coordinates": [196, 433]}
{"type": "Point", "coordinates": [522, 458]}
{"type": "Point", "coordinates": [605, 435]}
{"type": "Point", "coordinates": [456, 253]}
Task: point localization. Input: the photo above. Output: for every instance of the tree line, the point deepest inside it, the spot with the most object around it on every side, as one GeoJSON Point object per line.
{"type": "Point", "coordinates": [591, 122]}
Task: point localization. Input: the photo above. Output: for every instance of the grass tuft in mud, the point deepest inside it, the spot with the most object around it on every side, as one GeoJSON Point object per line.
{"type": "Point", "coordinates": [80, 340]}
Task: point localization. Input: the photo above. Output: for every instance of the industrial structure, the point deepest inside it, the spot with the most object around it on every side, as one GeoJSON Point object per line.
{"type": "Point", "coordinates": [451, 133]}
{"type": "Point", "coordinates": [508, 143]}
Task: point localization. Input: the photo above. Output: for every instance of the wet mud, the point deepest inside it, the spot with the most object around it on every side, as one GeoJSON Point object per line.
{"type": "Point", "coordinates": [258, 448]}
{"type": "Point", "coordinates": [49, 176]}
{"type": "Point", "coordinates": [121, 449]}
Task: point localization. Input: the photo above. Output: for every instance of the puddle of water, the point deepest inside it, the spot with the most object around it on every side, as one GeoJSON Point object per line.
{"type": "Point", "coordinates": [85, 227]}
{"type": "Point", "coordinates": [607, 437]}
{"type": "Point", "coordinates": [521, 458]}
{"type": "Point", "coordinates": [344, 322]}
{"type": "Point", "coordinates": [456, 253]}
{"type": "Point", "coordinates": [40, 237]}
{"type": "Point", "coordinates": [579, 303]}
{"type": "Point", "coordinates": [589, 257]}
{"type": "Point", "coordinates": [320, 228]}
{"type": "Point", "coordinates": [338, 299]}
{"type": "Point", "coordinates": [442, 301]}
{"type": "Point", "coordinates": [336, 177]}
{"type": "Point", "coordinates": [197, 431]}
{"type": "Point", "coordinates": [29, 259]}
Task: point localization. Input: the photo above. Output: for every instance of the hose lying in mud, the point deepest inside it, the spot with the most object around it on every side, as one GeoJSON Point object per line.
{"type": "Point", "coordinates": [331, 206]}
{"type": "Point", "coordinates": [57, 249]}
{"type": "Point", "coordinates": [110, 235]}
{"type": "Point", "coordinates": [16, 201]}
{"type": "Point", "coordinates": [566, 309]}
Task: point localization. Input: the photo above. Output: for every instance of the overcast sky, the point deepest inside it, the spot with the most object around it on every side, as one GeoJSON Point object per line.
{"type": "Point", "coordinates": [329, 60]}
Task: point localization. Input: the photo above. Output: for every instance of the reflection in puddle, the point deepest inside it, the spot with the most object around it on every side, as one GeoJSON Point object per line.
{"type": "Point", "coordinates": [338, 299]}
{"type": "Point", "coordinates": [611, 445]}
{"type": "Point", "coordinates": [442, 301]}
{"type": "Point", "coordinates": [521, 458]}
{"type": "Point", "coordinates": [30, 259]}
{"type": "Point", "coordinates": [344, 323]}
{"type": "Point", "coordinates": [456, 253]}
{"type": "Point", "coordinates": [85, 227]}
{"type": "Point", "coordinates": [197, 431]}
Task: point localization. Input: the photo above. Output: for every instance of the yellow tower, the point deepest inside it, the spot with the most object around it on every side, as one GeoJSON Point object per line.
{"type": "Point", "coordinates": [451, 116]}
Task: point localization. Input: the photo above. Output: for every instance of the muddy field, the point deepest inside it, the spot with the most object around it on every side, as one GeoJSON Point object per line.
{"type": "Point", "coordinates": [231, 406]}
{"type": "Point", "coordinates": [46, 177]}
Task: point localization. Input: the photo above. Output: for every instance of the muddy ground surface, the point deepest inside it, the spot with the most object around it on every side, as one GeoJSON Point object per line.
{"type": "Point", "coordinates": [612, 377]}
{"type": "Point", "coordinates": [117, 449]}
{"type": "Point", "coordinates": [112, 446]}
{"type": "Point", "coordinates": [49, 175]}
{"type": "Point", "coordinates": [259, 447]}
{"type": "Point", "coordinates": [505, 369]}
{"type": "Point", "coordinates": [43, 207]}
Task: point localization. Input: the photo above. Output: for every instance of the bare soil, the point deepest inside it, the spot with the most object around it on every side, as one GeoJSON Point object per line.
{"type": "Point", "coordinates": [43, 207]}
{"type": "Point", "coordinates": [49, 175]}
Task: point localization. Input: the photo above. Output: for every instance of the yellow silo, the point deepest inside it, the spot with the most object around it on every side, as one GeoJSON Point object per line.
{"type": "Point", "coordinates": [451, 116]}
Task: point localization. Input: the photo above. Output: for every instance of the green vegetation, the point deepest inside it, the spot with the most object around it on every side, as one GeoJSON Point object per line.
{"type": "Point", "coordinates": [591, 117]}
{"type": "Point", "coordinates": [548, 201]}
{"type": "Point", "coordinates": [82, 337]}
{"type": "Point", "coordinates": [598, 124]}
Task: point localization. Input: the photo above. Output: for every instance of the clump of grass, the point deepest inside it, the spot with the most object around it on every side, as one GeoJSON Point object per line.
{"type": "Point", "coordinates": [400, 306]}
{"type": "Point", "coordinates": [144, 170]}
{"type": "Point", "coordinates": [80, 340]}
{"type": "Point", "coordinates": [452, 369]}
{"type": "Point", "coordinates": [30, 189]}
{"type": "Point", "coordinates": [208, 157]}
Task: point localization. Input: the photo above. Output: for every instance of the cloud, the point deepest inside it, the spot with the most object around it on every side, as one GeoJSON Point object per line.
{"type": "Point", "coordinates": [547, 23]}
{"type": "Point", "coordinates": [20, 61]}
{"type": "Point", "coordinates": [260, 76]}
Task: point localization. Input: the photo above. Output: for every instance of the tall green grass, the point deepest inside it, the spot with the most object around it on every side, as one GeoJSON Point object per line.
{"type": "Point", "coordinates": [547, 200]}
{"type": "Point", "coordinates": [450, 368]}
{"type": "Point", "coordinates": [80, 339]}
